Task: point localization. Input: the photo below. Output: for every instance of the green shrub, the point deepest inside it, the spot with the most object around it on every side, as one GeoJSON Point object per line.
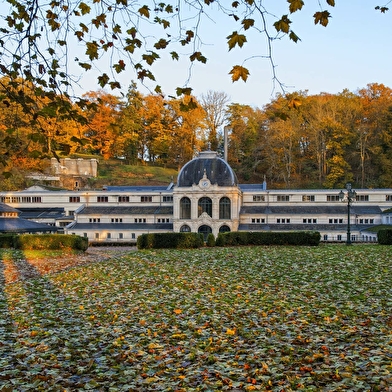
{"type": "Point", "coordinates": [50, 241]}
{"type": "Point", "coordinates": [7, 240]}
{"type": "Point", "coordinates": [170, 240]}
{"type": "Point", "coordinates": [385, 236]}
{"type": "Point", "coordinates": [236, 238]}
{"type": "Point", "coordinates": [210, 240]}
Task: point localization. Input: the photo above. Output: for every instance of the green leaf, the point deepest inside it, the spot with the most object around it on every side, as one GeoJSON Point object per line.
{"type": "Point", "coordinates": [183, 91]}
{"type": "Point", "coordinates": [150, 58]}
{"type": "Point", "coordinates": [294, 37]}
{"type": "Point", "coordinates": [92, 50]}
{"type": "Point", "coordinates": [235, 39]}
{"type": "Point", "coordinates": [174, 55]}
{"type": "Point", "coordinates": [103, 80]}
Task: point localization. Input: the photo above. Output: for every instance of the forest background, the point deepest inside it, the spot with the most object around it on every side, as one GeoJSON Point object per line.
{"type": "Point", "coordinates": [295, 141]}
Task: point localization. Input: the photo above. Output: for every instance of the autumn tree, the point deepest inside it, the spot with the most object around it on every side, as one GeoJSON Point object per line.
{"type": "Point", "coordinates": [375, 135]}
{"type": "Point", "coordinates": [130, 126]}
{"type": "Point", "coordinates": [102, 128]}
{"type": "Point", "coordinates": [50, 45]}
{"type": "Point", "coordinates": [188, 129]}
{"type": "Point", "coordinates": [247, 141]}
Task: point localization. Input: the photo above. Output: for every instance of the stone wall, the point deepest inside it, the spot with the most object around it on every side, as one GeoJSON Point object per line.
{"type": "Point", "coordinates": [75, 167]}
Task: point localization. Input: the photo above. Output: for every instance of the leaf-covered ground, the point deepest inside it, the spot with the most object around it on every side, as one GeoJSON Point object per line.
{"type": "Point", "coordinates": [234, 319]}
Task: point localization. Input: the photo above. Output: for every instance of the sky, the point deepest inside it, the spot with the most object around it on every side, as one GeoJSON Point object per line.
{"type": "Point", "coordinates": [355, 49]}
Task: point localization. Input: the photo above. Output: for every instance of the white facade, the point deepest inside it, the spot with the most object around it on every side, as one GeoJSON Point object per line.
{"type": "Point", "coordinates": [206, 199]}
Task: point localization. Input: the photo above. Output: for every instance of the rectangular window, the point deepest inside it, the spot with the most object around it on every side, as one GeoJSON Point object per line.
{"type": "Point", "coordinates": [258, 198]}
{"type": "Point", "coordinates": [388, 198]}
{"type": "Point", "coordinates": [371, 221]}
{"type": "Point", "coordinates": [133, 236]}
{"type": "Point", "coordinates": [325, 237]}
{"type": "Point", "coordinates": [146, 199]}
{"type": "Point", "coordinates": [108, 235]}
{"type": "Point", "coordinates": [333, 198]}
{"type": "Point", "coordinates": [36, 199]}
{"type": "Point", "coordinates": [362, 198]}
{"type": "Point", "coordinates": [123, 199]}
{"type": "Point", "coordinates": [167, 199]}
{"type": "Point", "coordinates": [74, 199]}
{"type": "Point", "coordinates": [308, 198]}
{"type": "Point", "coordinates": [26, 199]}
{"type": "Point", "coordinates": [95, 220]}
{"type": "Point", "coordinates": [97, 236]}
{"type": "Point", "coordinates": [102, 199]}
{"type": "Point", "coordinates": [121, 235]}
{"type": "Point", "coordinates": [283, 198]}
{"type": "Point", "coordinates": [339, 237]}
{"type": "Point", "coordinates": [116, 220]}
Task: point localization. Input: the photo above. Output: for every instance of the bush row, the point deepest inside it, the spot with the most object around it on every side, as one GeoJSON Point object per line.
{"type": "Point", "coordinates": [43, 241]}
{"type": "Point", "coordinates": [235, 238]}
{"type": "Point", "coordinates": [194, 240]}
{"type": "Point", "coordinates": [385, 236]}
{"type": "Point", "coordinates": [170, 240]}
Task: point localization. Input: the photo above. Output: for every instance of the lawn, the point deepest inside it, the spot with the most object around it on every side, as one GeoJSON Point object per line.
{"type": "Point", "coordinates": [230, 319]}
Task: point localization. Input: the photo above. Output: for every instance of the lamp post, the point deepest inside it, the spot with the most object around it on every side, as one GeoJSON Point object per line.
{"type": "Point", "coordinates": [348, 196]}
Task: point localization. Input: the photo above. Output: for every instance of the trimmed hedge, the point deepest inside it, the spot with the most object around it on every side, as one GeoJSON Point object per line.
{"type": "Point", "coordinates": [237, 238]}
{"type": "Point", "coordinates": [50, 241]}
{"type": "Point", "coordinates": [7, 240]}
{"type": "Point", "coordinates": [210, 240]}
{"type": "Point", "coordinates": [170, 240]}
{"type": "Point", "coordinates": [385, 236]}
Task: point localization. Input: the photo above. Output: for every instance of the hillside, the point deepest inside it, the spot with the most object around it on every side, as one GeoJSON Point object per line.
{"type": "Point", "coordinates": [115, 172]}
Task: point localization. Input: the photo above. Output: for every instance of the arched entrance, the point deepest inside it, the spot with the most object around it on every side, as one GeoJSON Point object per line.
{"type": "Point", "coordinates": [205, 230]}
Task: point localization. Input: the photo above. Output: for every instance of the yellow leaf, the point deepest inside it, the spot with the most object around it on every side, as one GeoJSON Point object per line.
{"type": "Point", "coordinates": [177, 311]}
{"type": "Point", "coordinates": [81, 307]}
{"type": "Point", "coordinates": [239, 72]}
{"type": "Point", "coordinates": [230, 331]}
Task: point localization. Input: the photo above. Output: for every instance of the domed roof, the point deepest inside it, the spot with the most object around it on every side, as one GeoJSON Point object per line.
{"type": "Point", "coordinates": [217, 170]}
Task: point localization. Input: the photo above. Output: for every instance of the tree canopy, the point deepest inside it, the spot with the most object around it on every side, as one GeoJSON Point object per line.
{"type": "Point", "coordinates": [48, 47]}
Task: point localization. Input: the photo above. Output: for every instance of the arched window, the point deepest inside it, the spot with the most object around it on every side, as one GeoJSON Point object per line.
{"type": "Point", "coordinates": [185, 229]}
{"type": "Point", "coordinates": [185, 208]}
{"type": "Point", "coordinates": [224, 229]}
{"type": "Point", "coordinates": [224, 208]}
{"type": "Point", "coordinates": [205, 230]}
{"type": "Point", "coordinates": [205, 205]}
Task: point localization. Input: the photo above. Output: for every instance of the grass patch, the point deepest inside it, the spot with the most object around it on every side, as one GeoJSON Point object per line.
{"type": "Point", "coordinates": [252, 318]}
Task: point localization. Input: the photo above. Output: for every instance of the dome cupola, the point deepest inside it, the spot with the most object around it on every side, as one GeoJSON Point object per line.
{"type": "Point", "coordinates": [207, 165]}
